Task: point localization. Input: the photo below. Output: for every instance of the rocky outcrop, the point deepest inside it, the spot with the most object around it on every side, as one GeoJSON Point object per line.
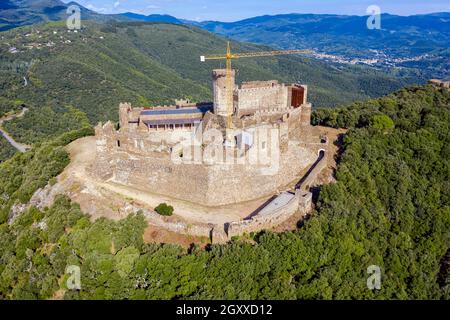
{"type": "Point", "coordinates": [45, 197]}
{"type": "Point", "coordinates": [42, 198]}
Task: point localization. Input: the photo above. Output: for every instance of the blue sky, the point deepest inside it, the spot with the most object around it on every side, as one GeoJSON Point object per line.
{"type": "Point", "coordinates": [232, 10]}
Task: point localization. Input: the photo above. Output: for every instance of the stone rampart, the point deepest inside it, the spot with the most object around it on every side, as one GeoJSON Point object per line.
{"type": "Point", "coordinates": [128, 159]}
{"type": "Point", "coordinates": [302, 201]}
{"type": "Point", "coordinates": [310, 179]}
{"type": "Point", "coordinates": [195, 230]}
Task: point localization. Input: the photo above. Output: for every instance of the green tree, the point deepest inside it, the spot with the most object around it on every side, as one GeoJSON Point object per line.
{"type": "Point", "coordinates": [381, 122]}
{"type": "Point", "coordinates": [164, 209]}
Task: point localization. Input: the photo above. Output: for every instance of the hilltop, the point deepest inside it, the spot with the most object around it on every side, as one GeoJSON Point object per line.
{"type": "Point", "coordinates": [16, 13]}
{"type": "Point", "coordinates": [152, 17]}
{"type": "Point", "coordinates": [389, 207]}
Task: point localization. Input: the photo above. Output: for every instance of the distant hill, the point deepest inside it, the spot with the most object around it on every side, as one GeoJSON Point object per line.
{"type": "Point", "coordinates": [16, 13]}
{"type": "Point", "coordinates": [401, 41]}
{"type": "Point", "coordinates": [396, 31]}
{"type": "Point", "coordinates": [147, 63]}
{"type": "Point", "coordinates": [152, 17]}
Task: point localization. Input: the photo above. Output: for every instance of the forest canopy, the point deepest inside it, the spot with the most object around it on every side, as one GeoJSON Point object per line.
{"type": "Point", "coordinates": [389, 207]}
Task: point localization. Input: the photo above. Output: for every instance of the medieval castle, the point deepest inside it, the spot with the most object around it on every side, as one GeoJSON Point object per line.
{"type": "Point", "coordinates": [188, 152]}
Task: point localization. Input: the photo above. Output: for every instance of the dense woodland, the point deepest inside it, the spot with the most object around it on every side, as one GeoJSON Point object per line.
{"type": "Point", "coordinates": [40, 124]}
{"type": "Point", "coordinates": [6, 149]}
{"type": "Point", "coordinates": [389, 207]}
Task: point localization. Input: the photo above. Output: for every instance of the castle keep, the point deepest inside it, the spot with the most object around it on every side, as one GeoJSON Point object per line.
{"type": "Point", "coordinates": [256, 97]}
{"type": "Point", "coordinates": [155, 149]}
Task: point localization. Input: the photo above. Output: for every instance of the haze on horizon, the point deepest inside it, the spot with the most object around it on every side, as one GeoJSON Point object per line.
{"type": "Point", "coordinates": [233, 10]}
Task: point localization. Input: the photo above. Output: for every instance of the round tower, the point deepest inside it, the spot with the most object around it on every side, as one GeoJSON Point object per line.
{"type": "Point", "coordinates": [220, 91]}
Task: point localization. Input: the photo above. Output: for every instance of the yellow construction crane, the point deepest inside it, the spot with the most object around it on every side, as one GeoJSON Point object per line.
{"type": "Point", "coordinates": [229, 56]}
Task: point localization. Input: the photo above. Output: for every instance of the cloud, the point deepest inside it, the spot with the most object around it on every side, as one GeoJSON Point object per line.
{"type": "Point", "coordinates": [90, 6]}
{"type": "Point", "coordinates": [152, 6]}
{"type": "Point", "coordinates": [116, 4]}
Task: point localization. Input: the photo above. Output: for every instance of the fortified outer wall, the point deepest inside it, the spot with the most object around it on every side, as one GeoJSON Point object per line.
{"type": "Point", "coordinates": [239, 183]}
{"type": "Point", "coordinates": [310, 180]}
{"type": "Point", "coordinates": [162, 176]}
{"type": "Point", "coordinates": [196, 230]}
{"type": "Point", "coordinates": [198, 183]}
{"type": "Point", "coordinates": [211, 185]}
{"type": "Point", "coordinates": [128, 159]}
{"type": "Point", "coordinates": [301, 202]}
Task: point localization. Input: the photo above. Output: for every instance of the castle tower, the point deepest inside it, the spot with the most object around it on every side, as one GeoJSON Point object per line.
{"type": "Point", "coordinates": [220, 90]}
{"type": "Point", "coordinates": [124, 109]}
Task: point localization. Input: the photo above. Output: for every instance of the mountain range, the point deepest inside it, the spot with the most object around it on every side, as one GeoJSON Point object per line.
{"type": "Point", "coordinates": [420, 42]}
{"type": "Point", "coordinates": [417, 42]}
{"type": "Point", "coordinates": [153, 18]}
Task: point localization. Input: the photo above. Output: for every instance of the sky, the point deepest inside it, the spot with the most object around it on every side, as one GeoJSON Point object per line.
{"type": "Point", "coordinates": [233, 10]}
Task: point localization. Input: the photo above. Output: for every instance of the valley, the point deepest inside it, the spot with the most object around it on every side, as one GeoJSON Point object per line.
{"type": "Point", "coordinates": [414, 44]}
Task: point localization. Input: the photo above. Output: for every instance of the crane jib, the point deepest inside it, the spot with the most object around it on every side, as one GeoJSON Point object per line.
{"type": "Point", "coordinates": [255, 54]}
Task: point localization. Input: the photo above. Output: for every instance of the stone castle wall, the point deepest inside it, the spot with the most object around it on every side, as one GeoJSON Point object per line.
{"type": "Point", "coordinates": [196, 230]}
{"type": "Point", "coordinates": [143, 160]}
{"type": "Point", "coordinates": [253, 99]}
{"type": "Point", "coordinates": [301, 202]}
{"type": "Point", "coordinates": [311, 179]}
{"type": "Point", "coordinates": [211, 185]}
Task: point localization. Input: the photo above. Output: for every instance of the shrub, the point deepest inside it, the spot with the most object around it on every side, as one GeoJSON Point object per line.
{"type": "Point", "coordinates": [164, 209]}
